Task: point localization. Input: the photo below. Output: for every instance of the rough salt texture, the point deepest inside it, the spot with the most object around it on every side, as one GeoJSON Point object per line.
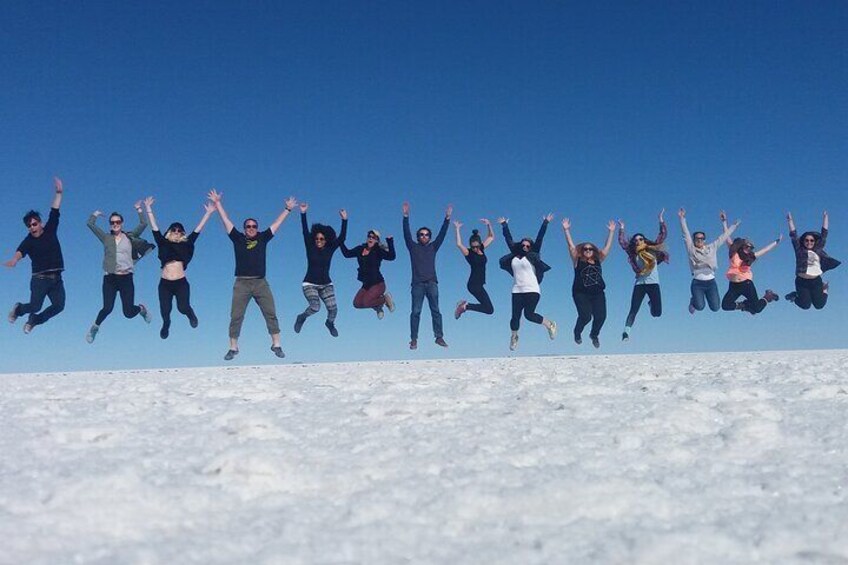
{"type": "Point", "coordinates": [731, 458]}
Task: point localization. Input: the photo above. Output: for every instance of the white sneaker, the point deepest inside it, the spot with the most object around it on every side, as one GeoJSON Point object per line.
{"type": "Point", "coordinates": [552, 330]}
{"type": "Point", "coordinates": [390, 302]}
{"type": "Point", "coordinates": [513, 342]}
{"type": "Point", "coordinates": [380, 314]}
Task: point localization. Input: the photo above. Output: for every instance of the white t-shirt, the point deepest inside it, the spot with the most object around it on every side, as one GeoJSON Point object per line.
{"type": "Point", "coordinates": [525, 276]}
{"type": "Point", "coordinates": [813, 264]}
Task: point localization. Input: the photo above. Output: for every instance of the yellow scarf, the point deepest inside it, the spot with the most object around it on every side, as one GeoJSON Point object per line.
{"type": "Point", "coordinates": [643, 250]}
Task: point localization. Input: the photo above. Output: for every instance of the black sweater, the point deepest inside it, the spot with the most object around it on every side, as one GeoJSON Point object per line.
{"type": "Point", "coordinates": [368, 272]}
{"type": "Point", "coordinates": [318, 260]}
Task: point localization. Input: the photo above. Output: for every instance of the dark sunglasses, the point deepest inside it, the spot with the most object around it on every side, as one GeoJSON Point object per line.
{"type": "Point", "coordinates": [251, 226]}
{"type": "Point", "coordinates": [116, 222]}
{"type": "Point", "coordinates": [588, 250]}
{"type": "Point", "coordinates": [423, 234]}
{"type": "Point", "coordinates": [700, 238]}
{"type": "Point", "coordinates": [372, 236]}
{"type": "Point", "coordinates": [33, 224]}
{"type": "Point", "coordinates": [809, 240]}
{"type": "Point", "coordinates": [177, 230]}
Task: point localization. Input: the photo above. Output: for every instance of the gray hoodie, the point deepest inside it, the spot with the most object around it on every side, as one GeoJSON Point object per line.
{"type": "Point", "coordinates": [703, 261]}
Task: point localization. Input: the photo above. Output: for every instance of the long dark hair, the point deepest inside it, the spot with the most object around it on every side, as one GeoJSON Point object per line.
{"type": "Point", "coordinates": [738, 247]}
{"type": "Point", "coordinates": [327, 231]}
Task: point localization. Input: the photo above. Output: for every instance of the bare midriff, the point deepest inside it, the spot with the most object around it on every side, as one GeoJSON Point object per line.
{"type": "Point", "coordinates": [173, 271]}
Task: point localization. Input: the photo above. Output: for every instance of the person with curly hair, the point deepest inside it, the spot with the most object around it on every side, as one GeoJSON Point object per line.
{"type": "Point", "coordinates": [811, 262]}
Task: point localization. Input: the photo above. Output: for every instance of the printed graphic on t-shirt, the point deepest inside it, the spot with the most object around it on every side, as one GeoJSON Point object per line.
{"type": "Point", "coordinates": [591, 276]}
{"type": "Point", "coordinates": [251, 243]}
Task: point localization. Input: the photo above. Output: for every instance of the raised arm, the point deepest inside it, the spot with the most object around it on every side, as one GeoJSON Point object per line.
{"type": "Point", "coordinates": [407, 235]}
{"type": "Point", "coordinates": [663, 228]}
{"type": "Point", "coordinates": [622, 237]}
{"type": "Point", "coordinates": [760, 252]}
{"type": "Point", "coordinates": [504, 222]}
{"type": "Point", "coordinates": [92, 225]}
{"type": "Point", "coordinates": [148, 206]}
{"type": "Point", "coordinates": [540, 237]}
{"type": "Point", "coordinates": [390, 254]}
{"type": "Point", "coordinates": [727, 233]}
{"type": "Point", "coordinates": [217, 200]}
{"type": "Point", "coordinates": [343, 231]}
{"type": "Point", "coordinates": [608, 245]}
{"type": "Point", "coordinates": [566, 228]}
{"type": "Point", "coordinates": [209, 209]}
{"type": "Point", "coordinates": [490, 234]}
{"type": "Point", "coordinates": [290, 203]}
{"type": "Point", "coordinates": [57, 196]}
{"type": "Point", "coordinates": [724, 227]}
{"type": "Point", "coordinates": [462, 248]}
{"type": "Point", "coordinates": [142, 221]}
{"type": "Point", "coordinates": [824, 229]}
{"type": "Point", "coordinates": [443, 231]}
{"type": "Point", "coordinates": [304, 225]}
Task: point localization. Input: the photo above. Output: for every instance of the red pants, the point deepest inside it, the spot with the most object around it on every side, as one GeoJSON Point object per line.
{"type": "Point", "coordinates": [371, 297]}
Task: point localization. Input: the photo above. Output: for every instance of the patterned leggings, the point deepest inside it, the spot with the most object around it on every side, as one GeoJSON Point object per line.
{"type": "Point", "coordinates": [315, 293]}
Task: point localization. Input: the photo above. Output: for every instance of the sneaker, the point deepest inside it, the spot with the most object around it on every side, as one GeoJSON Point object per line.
{"type": "Point", "coordinates": [552, 330]}
{"type": "Point", "coordinates": [625, 336]}
{"type": "Point", "coordinates": [192, 320]}
{"type": "Point", "coordinates": [278, 351]}
{"type": "Point", "coordinates": [380, 313]}
{"type": "Point", "coordinates": [28, 327]}
{"type": "Point", "coordinates": [298, 323]}
{"type": "Point", "coordinates": [513, 342]}
{"type": "Point", "coordinates": [771, 296]}
{"type": "Point", "coordinates": [332, 328]}
{"type": "Point", "coordinates": [413, 344]}
{"type": "Point", "coordinates": [825, 286]}
{"type": "Point", "coordinates": [596, 342]}
{"type": "Point", "coordinates": [13, 314]}
{"type": "Point", "coordinates": [390, 302]}
{"type": "Point", "coordinates": [460, 309]}
{"type": "Point", "coordinates": [164, 332]}
{"type": "Point", "coordinates": [578, 339]}
{"type": "Point", "coordinates": [691, 308]}
{"type": "Point", "coordinates": [92, 333]}
{"type": "Point", "coordinates": [145, 314]}
{"type": "Point", "coordinates": [791, 296]}
{"type": "Point", "coordinates": [441, 341]}
{"type": "Point", "coordinates": [230, 354]}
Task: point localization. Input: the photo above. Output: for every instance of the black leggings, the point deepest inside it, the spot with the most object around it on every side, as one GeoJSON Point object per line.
{"type": "Point", "coordinates": [654, 301]}
{"type": "Point", "coordinates": [526, 302]}
{"type": "Point", "coordinates": [112, 285]}
{"type": "Point", "coordinates": [590, 307]}
{"type": "Point", "coordinates": [478, 292]}
{"type": "Point", "coordinates": [810, 292]}
{"type": "Point", "coordinates": [747, 289]}
{"type": "Point", "coordinates": [179, 289]}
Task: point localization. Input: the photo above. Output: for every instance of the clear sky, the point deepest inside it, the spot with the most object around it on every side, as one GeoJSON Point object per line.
{"type": "Point", "coordinates": [517, 109]}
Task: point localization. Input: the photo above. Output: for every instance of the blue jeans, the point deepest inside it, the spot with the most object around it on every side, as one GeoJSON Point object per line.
{"type": "Point", "coordinates": [705, 291]}
{"type": "Point", "coordinates": [419, 291]}
{"type": "Point", "coordinates": [40, 288]}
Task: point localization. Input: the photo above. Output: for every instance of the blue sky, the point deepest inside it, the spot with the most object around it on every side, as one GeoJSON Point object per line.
{"type": "Point", "coordinates": [589, 111]}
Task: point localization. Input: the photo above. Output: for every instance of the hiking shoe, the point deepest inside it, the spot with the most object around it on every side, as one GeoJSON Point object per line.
{"type": "Point", "coordinates": [513, 342]}
{"type": "Point", "coordinates": [596, 342]}
{"type": "Point", "coordinates": [230, 354]}
{"type": "Point", "coordinates": [13, 314]}
{"type": "Point", "coordinates": [791, 296]}
{"type": "Point", "coordinates": [192, 320]}
{"type": "Point", "coordinates": [332, 328]}
{"type": "Point", "coordinates": [691, 308]}
{"type": "Point", "coordinates": [578, 339]}
{"type": "Point", "coordinates": [625, 336]}
{"type": "Point", "coordinates": [552, 330]}
{"type": "Point", "coordinates": [163, 333]}
{"type": "Point", "coordinates": [278, 351]}
{"type": "Point", "coordinates": [441, 341]}
{"type": "Point", "coordinates": [460, 309]}
{"type": "Point", "coordinates": [298, 323]}
{"type": "Point", "coordinates": [380, 313]}
{"type": "Point", "coordinates": [28, 327]}
{"type": "Point", "coordinates": [390, 302]}
{"type": "Point", "coordinates": [145, 314]}
{"type": "Point", "coordinates": [92, 333]}
{"type": "Point", "coordinates": [413, 344]}
{"type": "Point", "coordinates": [771, 296]}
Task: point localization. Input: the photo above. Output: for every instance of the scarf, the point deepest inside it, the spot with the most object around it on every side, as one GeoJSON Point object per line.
{"type": "Point", "coordinates": [645, 252]}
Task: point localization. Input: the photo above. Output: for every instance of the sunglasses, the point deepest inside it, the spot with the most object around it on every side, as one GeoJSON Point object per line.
{"type": "Point", "coordinates": [251, 226]}
{"type": "Point", "coordinates": [116, 222]}
{"type": "Point", "coordinates": [588, 250]}
{"type": "Point", "coordinates": [423, 234]}
{"type": "Point", "coordinates": [177, 230]}
{"type": "Point", "coordinates": [809, 240]}
{"type": "Point", "coordinates": [374, 237]}
{"type": "Point", "coordinates": [700, 238]}
{"type": "Point", "coordinates": [33, 224]}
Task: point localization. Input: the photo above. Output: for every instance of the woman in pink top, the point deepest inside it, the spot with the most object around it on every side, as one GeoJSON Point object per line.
{"type": "Point", "coordinates": [742, 256]}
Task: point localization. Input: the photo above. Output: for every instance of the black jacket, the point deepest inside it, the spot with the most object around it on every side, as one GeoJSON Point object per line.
{"type": "Point", "coordinates": [533, 256]}
{"type": "Point", "coordinates": [827, 262]}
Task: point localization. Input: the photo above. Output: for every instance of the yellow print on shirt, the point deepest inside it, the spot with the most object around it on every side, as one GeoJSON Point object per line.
{"type": "Point", "coordinates": [251, 243]}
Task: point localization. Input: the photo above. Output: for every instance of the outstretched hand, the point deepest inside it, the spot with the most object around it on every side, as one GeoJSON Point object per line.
{"type": "Point", "coordinates": [291, 202]}
{"type": "Point", "coordinates": [97, 213]}
{"type": "Point", "coordinates": [209, 207]}
{"type": "Point", "coordinates": [148, 202]}
{"type": "Point", "coordinates": [457, 224]}
{"type": "Point", "coordinates": [788, 216]}
{"type": "Point", "coordinates": [215, 196]}
{"type": "Point", "coordinates": [621, 224]}
{"type": "Point", "coordinates": [11, 263]}
{"type": "Point", "coordinates": [57, 184]}
{"type": "Point", "coordinates": [662, 212]}
{"type": "Point", "coordinates": [304, 206]}
{"type": "Point", "coordinates": [503, 220]}
{"type": "Point", "coordinates": [487, 223]}
{"type": "Point", "coordinates": [343, 214]}
{"type": "Point", "coordinates": [611, 225]}
{"type": "Point", "coordinates": [566, 224]}
{"type": "Point", "coordinates": [449, 211]}
{"type": "Point", "coordinates": [137, 205]}
{"type": "Point", "coordinates": [722, 215]}
{"type": "Point", "coordinates": [681, 213]}
{"type": "Point", "coordinates": [549, 217]}
{"type": "Point", "coordinates": [405, 208]}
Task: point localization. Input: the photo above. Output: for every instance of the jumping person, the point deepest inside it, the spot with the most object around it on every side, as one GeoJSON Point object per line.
{"type": "Point", "coordinates": [121, 250]}
{"type": "Point", "coordinates": [588, 287]}
{"type": "Point", "coordinates": [45, 253]}
{"type": "Point", "coordinates": [321, 243]}
{"type": "Point", "coordinates": [250, 249]}
{"type": "Point", "coordinates": [422, 254]}
{"type": "Point", "coordinates": [644, 257]}
{"type": "Point", "coordinates": [175, 252]}
{"type": "Point", "coordinates": [369, 256]}
{"type": "Point", "coordinates": [703, 263]}
{"type": "Point", "coordinates": [811, 262]}
{"type": "Point", "coordinates": [742, 256]}
{"type": "Point", "coordinates": [475, 254]}
{"type": "Point", "coordinates": [527, 269]}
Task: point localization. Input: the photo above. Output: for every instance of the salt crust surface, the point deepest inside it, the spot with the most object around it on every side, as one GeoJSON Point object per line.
{"type": "Point", "coordinates": [715, 458]}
